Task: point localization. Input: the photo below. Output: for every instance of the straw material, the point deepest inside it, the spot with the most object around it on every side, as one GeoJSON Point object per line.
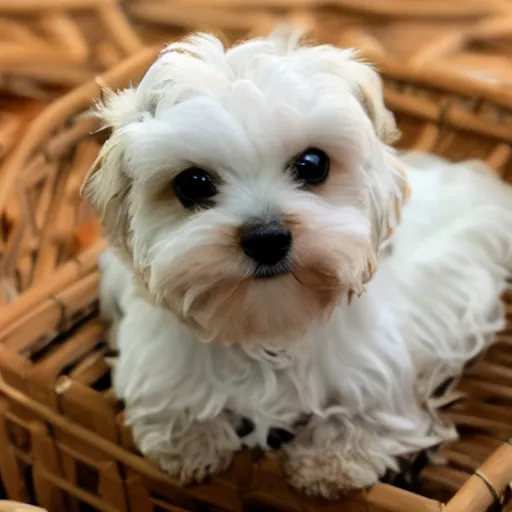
{"type": "Point", "coordinates": [470, 38]}
{"type": "Point", "coordinates": [50, 45]}
{"type": "Point", "coordinates": [61, 428]}
{"type": "Point", "coordinates": [47, 46]}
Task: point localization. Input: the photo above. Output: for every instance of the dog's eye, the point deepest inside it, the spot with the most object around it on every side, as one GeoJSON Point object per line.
{"type": "Point", "coordinates": [194, 187]}
{"type": "Point", "coordinates": [311, 167]}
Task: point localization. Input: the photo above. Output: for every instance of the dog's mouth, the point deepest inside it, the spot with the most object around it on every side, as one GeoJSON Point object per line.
{"type": "Point", "coordinates": [270, 271]}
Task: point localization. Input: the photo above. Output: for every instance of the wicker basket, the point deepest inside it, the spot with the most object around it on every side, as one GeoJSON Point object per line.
{"type": "Point", "coordinates": [473, 37]}
{"type": "Point", "coordinates": [51, 45]}
{"type": "Point", "coordinates": [61, 429]}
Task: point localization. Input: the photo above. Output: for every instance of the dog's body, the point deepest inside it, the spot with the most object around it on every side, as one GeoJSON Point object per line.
{"type": "Point", "coordinates": [213, 358]}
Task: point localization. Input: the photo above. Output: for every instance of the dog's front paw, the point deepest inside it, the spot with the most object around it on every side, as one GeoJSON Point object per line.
{"type": "Point", "coordinates": [321, 464]}
{"type": "Point", "coordinates": [204, 449]}
{"type": "Point", "coordinates": [193, 466]}
{"type": "Point", "coordinates": [326, 475]}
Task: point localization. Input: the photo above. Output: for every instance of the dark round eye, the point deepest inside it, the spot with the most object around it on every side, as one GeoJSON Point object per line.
{"type": "Point", "coordinates": [194, 187]}
{"type": "Point", "coordinates": [311, 167]}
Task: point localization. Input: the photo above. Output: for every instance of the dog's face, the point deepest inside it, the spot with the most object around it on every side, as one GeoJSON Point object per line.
{"type": "Point", "coordinates": [249, 188]}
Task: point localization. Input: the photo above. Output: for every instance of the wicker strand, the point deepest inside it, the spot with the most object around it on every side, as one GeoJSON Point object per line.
{"type": "Point", "coordinates": [492, 489]}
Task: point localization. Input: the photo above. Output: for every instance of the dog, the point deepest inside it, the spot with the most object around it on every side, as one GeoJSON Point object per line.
{"type": "Point", "coordinates": [270, 284]}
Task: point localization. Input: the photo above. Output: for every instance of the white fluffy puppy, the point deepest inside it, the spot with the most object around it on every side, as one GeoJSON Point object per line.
{"type": "Point", "coordinates": [248, 192]}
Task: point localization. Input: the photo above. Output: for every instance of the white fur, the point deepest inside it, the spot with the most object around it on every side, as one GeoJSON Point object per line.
{"type": "Point", "coordinates": [362, 373]}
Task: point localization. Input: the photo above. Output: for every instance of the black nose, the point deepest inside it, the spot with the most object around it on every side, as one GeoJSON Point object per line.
{"type": "Point", "coordinates": [266, 244]}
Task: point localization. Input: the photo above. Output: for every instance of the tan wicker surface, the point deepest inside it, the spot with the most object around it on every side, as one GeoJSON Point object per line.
{"type": "Point", "coordinates": [50, 45]}
{"type": "Point", "coordinates": [473, 37]}
{"type": "Point", "coordinates": [61, 430]}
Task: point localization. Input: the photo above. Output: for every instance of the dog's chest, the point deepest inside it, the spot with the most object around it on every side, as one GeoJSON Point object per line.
{"type": "Point", "coordinates": [269, 397]}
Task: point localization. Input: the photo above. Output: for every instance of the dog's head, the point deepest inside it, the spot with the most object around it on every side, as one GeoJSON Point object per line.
{"type": "Point", "coordinates": [249, 188]}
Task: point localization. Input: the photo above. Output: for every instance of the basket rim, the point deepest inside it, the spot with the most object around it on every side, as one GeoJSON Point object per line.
{"type": "Point", "coordinates": [381, 495]}
{"type": "Point", "coordinates": [487, 485]}
{"type": "Point", "coordinates": [53, 115]}
{"type": "Point", "coordinates": [438, 78]}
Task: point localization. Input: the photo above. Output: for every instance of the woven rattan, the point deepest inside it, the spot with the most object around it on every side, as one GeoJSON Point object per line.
{"type": "Point", "coordinates": [472, 37]}
{"type": "Point", "coordinates": [61, 429]}
{"type": "Point", "coordinates": [51, 45]}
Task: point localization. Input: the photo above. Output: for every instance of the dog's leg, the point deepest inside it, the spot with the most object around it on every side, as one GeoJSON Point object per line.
{"type": "Point", "coordinates": [192, 455]}
{"type": "Point", "coordinates": [332, 456]}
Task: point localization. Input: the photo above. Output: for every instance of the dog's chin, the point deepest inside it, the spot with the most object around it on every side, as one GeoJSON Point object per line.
{"type": "Point", "coordinates": [271, 271]}
{"type": "Point", "coordinates": [270, 308]}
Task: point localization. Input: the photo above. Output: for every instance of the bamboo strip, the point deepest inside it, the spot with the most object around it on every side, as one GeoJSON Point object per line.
{"type": "Point", "coordinates": [29, 6]}
{"type": "Point", "coordinates": [224, 492]}
{"type": "Point", "coordinates": [48, 248]}
{"type": "Point", "coordinates": [65, 32]}
{"type": "Point", "coordinates": [475, 496]}
{"type": "Point", "coordinates": [391, 499]}
{"type": "Point", "coordinates": [55, 73]}
{"type": "Point", "coordinates": [62, 278]}
{"type": "Point", "coordinates": [10, 126]}
{"type": "Point", "coordinates": [60, 110]}
{"type": "Point", "coordinates": [46, 197]}
{"type": "Point", "coordinates": [391, 8]}
{"type": "Point", "coordinates": [107, 55]}
{"type": "Point", "coordinates": [203, 17]}
{"type": "Point", "coordinates": [18, 32]}
{"type": "Point", "coordinates": [493, 28]}
{"type": "Point", "coordinates": [439, 48]}
{"type": "Point", "coordinates": [14, 55]}
{"type": "Point", "coordinates": [125, 37]}
{"type": "Point", "coordinates": [13, 506]}
{"type": "Point", "coordinates": [73, 490]}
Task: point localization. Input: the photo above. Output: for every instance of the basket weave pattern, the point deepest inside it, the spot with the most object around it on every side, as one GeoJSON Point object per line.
{"type": "Point", "coordinates": [472, 38]}
{"type": "Point", "coordinates": [51, 45]}
{"type": "Point", "coordinates": [61, 429]}
{"type": "Point", "coordinates": [60, 43]}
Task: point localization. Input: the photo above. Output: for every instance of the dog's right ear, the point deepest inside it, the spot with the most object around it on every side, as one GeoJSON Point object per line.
{"type": "Point", "coordinates": [106, 186]}
{"type": "Point", "coordinates": [369, 91]}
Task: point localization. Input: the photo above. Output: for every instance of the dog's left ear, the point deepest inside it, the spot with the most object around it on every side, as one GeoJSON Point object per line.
{"type": "Point", "coordinates": [368, 89]}
{"type": "Point", "coordinates": [391, 190]}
